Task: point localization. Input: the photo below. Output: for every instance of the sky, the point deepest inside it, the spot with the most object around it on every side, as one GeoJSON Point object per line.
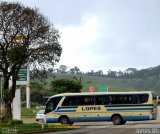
{"type": "Point", "coordinates": [105, 34]}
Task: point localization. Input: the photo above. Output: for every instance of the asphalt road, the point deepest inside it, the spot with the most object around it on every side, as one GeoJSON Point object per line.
{"type": "Point", "coordinates": [142, 127]}
{"type": "Point", "coordinates": [131, 127]}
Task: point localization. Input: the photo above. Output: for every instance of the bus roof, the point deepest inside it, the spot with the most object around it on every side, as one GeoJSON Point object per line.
{"type": "Point", "coordinates": [100, 93]}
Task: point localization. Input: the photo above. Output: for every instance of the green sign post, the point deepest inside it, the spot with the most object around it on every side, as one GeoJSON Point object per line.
{"type": "Point", "coordinates": [22, 74]}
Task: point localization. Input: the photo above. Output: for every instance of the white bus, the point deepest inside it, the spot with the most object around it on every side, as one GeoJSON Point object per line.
{"type": "Point", "coordinates": [117, 107]}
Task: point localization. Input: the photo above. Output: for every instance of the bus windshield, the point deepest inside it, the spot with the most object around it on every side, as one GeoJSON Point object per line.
{"type": "Point", "coordinates": [52, 104]}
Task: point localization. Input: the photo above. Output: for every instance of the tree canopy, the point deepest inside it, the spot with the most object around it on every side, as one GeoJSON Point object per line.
{"type": "Point", "coordinates": [64, 86]}
{"type": "Point", "coordinates": [26, 36]}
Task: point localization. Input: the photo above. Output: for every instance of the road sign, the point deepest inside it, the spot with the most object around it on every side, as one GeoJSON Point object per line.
{"type": "Point", "coordinates": [103, 89]}
{"type": "Point", "coordinates": [23, 76]}
{"type": "Point", "coordinates": [91, 89]}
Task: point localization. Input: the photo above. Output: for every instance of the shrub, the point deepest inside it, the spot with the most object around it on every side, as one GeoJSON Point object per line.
{"type": "Point", "coordinates": [13, 122]}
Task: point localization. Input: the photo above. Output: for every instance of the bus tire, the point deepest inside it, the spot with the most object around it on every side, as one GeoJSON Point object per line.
{"type": "Point", "coordinates": [117, 120]}
{"type": "Point", "coordinates": [64, 120]}
{"type": "Point", "coordinates": [71, 123]}
{"type": "Point", "coordinates": [123, 122]}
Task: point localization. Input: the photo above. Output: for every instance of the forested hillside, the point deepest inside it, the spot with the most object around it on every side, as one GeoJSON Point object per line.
{"type": "Point", "coordinates": [131, 79]}
{"type": "Point", "coordinates": [117, 84]}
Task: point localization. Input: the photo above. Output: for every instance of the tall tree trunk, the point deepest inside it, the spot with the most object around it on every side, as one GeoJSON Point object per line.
{"type": "Point", "coordinates": [8, 111]}
{"type": "Point", "coordinates": [7, 97]}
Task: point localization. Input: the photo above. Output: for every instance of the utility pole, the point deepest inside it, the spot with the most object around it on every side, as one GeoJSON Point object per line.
{"type": "Point", "coordinates": [28, 90]}
{"type": "Point", "coordinates": [1, 91]}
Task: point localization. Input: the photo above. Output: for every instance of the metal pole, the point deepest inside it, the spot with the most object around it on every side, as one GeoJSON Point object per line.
{"type": "Point", "coordinates": [28, 97]}
{"type": "Point", "coordinates": [28, 106]}
{"type": "Point", "coordinates": [1, 95]}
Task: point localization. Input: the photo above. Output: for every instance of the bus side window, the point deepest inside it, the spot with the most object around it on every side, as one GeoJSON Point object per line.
{"type": "Point", "coordinates": [135, 99]}
{"type": "Point", "coordinates": [89, 100]}
{"type": "Point", "coordinates": [144, 98]}
{"type": "Point", "coordinates": [103, 100]}
{"type": "Point", "coordinates": [80, 101]}
{"type": "Point", "coordinates": [106, 100]}
{"type": "Point", "coordinates": [99, 100]}
{"type": "Point", "coordinates": [130, 99]}
{"type": "Point", "coordinates": [110, 100]}
{"type": "Point", "coordinates": [67, 102]}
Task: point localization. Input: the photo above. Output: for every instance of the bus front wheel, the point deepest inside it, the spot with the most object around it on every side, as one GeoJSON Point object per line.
{"type": "Point", "coordinates": [71, 123]}
{"type": "Point", "coordinates": [123, 122]}
{"type": "Point", "coordinates": [117, 120]}
{"type": "Point", "coordinates": [64, 120]}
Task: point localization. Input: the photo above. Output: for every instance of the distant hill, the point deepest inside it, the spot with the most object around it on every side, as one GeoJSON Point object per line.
{"type": "Point", "coordinates": [131, 79]}
{"type": "Point", "coordinates": [117, 84]}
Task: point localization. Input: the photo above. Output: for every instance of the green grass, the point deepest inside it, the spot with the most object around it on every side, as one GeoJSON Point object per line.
{"type": "Point", "coordinates": [29, 112]}
{"type": "Point", "coordinates": [31, 128]}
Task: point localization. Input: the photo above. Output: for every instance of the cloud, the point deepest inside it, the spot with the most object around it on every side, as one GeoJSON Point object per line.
{"type": "Point", "coordinates": [105, 34]}
{"type": "Point", "coordinates": [76, 41]}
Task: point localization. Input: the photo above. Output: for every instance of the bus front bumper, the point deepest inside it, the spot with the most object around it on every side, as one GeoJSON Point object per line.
{"type": "Point", "coordinates": [51, 120]}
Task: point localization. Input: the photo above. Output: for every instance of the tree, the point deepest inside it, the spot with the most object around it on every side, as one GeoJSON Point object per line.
{"type": "Point", "coordinates": [50, 70]}
{"type": "Point", "coordinates": [72, 71]}
{"type": "Point", "coordinates": [130, 70]}
{"type": "Point", "coordinates": [37, 97]}
{"type": "Point", "coordinates": [111, 74]}
{"type": "Point", "coordinates": [77, 70]}
{"type": "Point", "coordinates": [64, 85]}
{"type": "Point", "coordinates": [79, 81]}
{"type": "Point", "coordinates": [26, 36]}
{"type": "Point", "coordinates": [99, 72]}
{"type": "Point", "coordinates": [42, 75]}
{"type": "Point", "coordinates": [63, 68]}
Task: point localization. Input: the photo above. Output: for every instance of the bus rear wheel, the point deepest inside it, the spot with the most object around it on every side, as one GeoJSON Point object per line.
{"type": "Point", "coordinates": [123, 122]}
{"type": "Point", "coordinates": [64, 120]}
{"type": "Point", "coordinates": [71, 123]}
{"type": "Point", "coordinates": [117, 120]}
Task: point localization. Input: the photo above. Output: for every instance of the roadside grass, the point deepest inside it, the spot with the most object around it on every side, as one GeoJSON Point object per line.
{"type": "Point", "coordinates": [32, 128]}
{"type": "Point", "coordinates": [29, 112]}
